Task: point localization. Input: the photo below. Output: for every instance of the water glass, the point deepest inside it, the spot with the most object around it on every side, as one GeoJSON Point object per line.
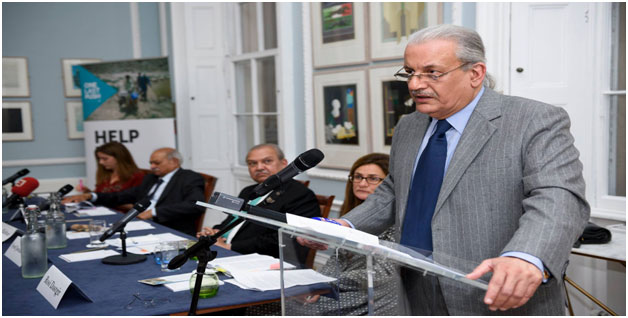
{"type": "Point", "coordinates": [96, 229]}
{"type": "Point", "coordinates": [166, 251]}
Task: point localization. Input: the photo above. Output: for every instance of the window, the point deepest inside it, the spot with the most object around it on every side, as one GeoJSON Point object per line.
{"type": "Point", "coordinates": [617, 103]}
{"type": "Point", "coordinates": [255, 83]}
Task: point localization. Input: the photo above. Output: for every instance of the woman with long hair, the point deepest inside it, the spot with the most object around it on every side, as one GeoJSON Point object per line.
{"type": "Point", "coordinates": [117, 170]}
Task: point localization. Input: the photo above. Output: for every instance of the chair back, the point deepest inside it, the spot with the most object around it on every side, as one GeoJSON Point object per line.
{"type": "Point", "coordinates": [325, 203]}
{"type": "Point", "coordinates": [210, 183]}
{"type": "Point", "coordinates": [305, 183]}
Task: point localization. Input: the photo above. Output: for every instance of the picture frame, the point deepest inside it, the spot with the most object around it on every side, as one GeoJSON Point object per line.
{"type": "Point", "coordinates": [390, 100]}
{"type": "Point", "coordinates": [388, 36]}
{"type": "Point", "coordinates": [17, 123]}
{"type": "Point", "coordinates": [341, 114]}
{"type": "Point", "coordinates": [338, 33]}
{"type": "Point", "coordinates": [71, 85]}
{"type": "Point", "coordinates": [74, 119]}
{"type": "Point", "coordinates": [15, 80]}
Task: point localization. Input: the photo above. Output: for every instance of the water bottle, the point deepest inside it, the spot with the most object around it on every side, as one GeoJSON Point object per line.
{"type": "Point", "coordinates": [55, 225]}
{"type": "Point", "coordinates": [34, 253]}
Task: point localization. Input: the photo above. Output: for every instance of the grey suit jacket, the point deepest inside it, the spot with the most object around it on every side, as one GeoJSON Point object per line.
{"type": "Point", "coordinates": [514, 184]}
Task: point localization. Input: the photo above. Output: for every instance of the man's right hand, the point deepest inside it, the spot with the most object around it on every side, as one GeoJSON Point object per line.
{"type": "Point", "coordinates": [77, 198]}
{"type": "Point", "coordinates": [206, 231]}
{"type": "Point", "coordinates": [316, 245]}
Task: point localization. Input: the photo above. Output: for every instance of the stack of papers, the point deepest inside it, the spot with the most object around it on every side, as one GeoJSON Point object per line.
{"type": "Point", "coordinates": [87, 256]}
{"type": "Point", "coordinates": [270, 280]}
{"type": "Point", "coordinates": [131, 226]}
{"type": "Point", "coordinates": [176, 283]}
{"type": "Point", "coordinates": [249, 263]}
{"type": "Point", "coordinates": [331, 229]}
{"type": "Point", "coordinates": [145, 244]}
{"type": "Point", "coordinates": [97, 211]}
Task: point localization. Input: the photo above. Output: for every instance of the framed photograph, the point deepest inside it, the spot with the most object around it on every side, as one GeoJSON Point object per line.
{"type": "Point", "coordinates": [392, 22]}
{"type": "Point", "coordinates": [337, 33]}
{"type": "Point", "coordinates": [15, 77]}
{"type": "Point", "coordinates": [390, 100]}
{"type": "Point", "coordinates": [340, 106]}
{"type": "Point", "coordinates": [72, 82]}
{"type": "Point", "coordinates": [17, 124]}
{"type": "Point", "coordinates": [74, 111]}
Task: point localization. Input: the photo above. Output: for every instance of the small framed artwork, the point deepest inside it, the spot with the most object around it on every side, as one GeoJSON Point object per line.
{"type": "Point", "coordinates": [390, 100]}
{"type": "Point", "coordinates": [340, 106]}
{"type": "Point", "coordinates": [17, 124]}
{"type": "Point", "coordinates": [391, 23]}
{"type": "Point", "coordinates": [74, 111]}
{"type": "Point", "coordinates": [15, 77]}
{"type": "Point", "coordinates": [337, 33]}
{"type": "Point", "coordinates": [71, 82]}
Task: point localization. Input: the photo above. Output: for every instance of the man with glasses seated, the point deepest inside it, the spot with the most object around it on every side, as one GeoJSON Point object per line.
{"type": "Point", "coordinates": [480, 181]}
{"type": "Point", "coordinates": [293, 197]}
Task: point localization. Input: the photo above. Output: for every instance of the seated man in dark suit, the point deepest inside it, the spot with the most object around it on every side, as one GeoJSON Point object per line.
{"type": "Point", "coordinates": [173, 192]}
{"type": "Point", "coordinates": [293, 197]}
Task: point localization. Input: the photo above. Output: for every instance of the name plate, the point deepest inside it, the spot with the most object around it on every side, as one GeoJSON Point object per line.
{"type": "Point", "coordinates": [7, 231]}
{"type": "Point", "coordinates": [53, 286]}
{"type": "Point", "coordinates": [14, 252]}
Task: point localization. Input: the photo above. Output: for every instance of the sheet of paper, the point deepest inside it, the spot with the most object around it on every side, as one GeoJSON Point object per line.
{"type": "Point", "coordinates": [250, 262]}
{"type": "Point", "coordinates": [97, 211]}
{"type": "Point", "coordinates": [72, 235]}
{"type": "Point", "coordinates": [87, 256]}
{"type": "Point", "coordinates": [138, 225]}
{"type": "Point", "coordinates": [185, 277]}
{"type": "Point", "coordinates": [14, 252]}
{"type": "Point", "coordinates": [144, 240]}
{"type": "Point", "coordinates": [270, 280]}
{"type": "Point", "coordinates": [331, 229]}
{"type": "Point", "coordinates": [7, 231]}
{"type": "Point", "coordinates": [182, 286]}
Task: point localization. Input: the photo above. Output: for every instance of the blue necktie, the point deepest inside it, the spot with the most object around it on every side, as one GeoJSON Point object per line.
{"type": "Point", "coordinates": [426, 183]}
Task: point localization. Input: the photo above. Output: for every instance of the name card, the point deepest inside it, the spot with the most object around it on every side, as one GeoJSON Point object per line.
{"type": "Point", "coordinates": [53, 286]}
{"type": "Point", "coordinates": [14, 253]}
{"type": "Point", "coordinates": [7, 231]}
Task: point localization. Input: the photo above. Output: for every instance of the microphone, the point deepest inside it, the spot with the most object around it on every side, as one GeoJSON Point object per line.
{"type": "Point", "coordinates": [303, 162]}
{"type": "Point", "coordinates": [21, 189]}
{"type": "Point", "coordinates": [16, 175]}
{"type": "Point", "coordinates": [138, 208]}
{"type": "Point", "coordinates": [60, 194]}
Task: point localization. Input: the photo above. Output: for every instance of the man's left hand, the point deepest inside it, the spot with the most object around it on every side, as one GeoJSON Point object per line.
{"type": "Point", "coordinates": [513, 283]}
{"type": "Point", "coordinates": [222, 242]}
{"type": "Point", "coordinates": [146, 215]}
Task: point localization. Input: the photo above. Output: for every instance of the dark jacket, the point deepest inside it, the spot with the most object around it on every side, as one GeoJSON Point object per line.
{"type": "Point", "coordinates": [176, 207]}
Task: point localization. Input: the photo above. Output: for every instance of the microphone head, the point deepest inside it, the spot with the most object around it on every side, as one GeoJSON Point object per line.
{"type": "Point", "coordinates": [142, 205]}
{"type": "Point", "coordinates": [65, 190]}
{"type": "Point", "coordinates": [309, 159]}
{"type": "Point", "coordinates": [25, 186]}
{"type": "Point", "coordinates": [23, 172]}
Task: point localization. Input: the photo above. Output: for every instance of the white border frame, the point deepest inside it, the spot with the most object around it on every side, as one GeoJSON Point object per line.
{"type": "Point", "coordinates": [342, 156]}
{"type": "Point", "coordinates": [381, 50]}
{"type": "Point", "coordinates": [66, 70]}
{"type": "Point", "coordinates": [71, 119]}
{"type": "Point", "coordinates": [340, 52]}
{"type": "Point", "coordinates": [23, 89]}
{"type": "Point", "coordinates": [27, 121]}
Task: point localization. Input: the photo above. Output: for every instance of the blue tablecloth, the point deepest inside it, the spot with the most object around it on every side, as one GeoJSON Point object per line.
{"type": "Point", "coordinates": [111, 287]}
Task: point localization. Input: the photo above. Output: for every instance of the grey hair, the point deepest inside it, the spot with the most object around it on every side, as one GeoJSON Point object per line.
{"type": "Point", "coordinates": [470, 46]}
{"type": "Point", "coordinates": [276, 148]}
{"type": "Point", "coordinates": [174, 154]}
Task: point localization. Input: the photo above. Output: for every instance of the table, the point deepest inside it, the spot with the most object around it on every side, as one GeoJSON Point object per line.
{"type": "Point", "coordinates": [111, 287]}
{"type": "Point", "coordinates": [613, 251]}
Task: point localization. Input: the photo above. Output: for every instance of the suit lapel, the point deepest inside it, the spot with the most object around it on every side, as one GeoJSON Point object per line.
{"type": "Point", "coordinates": [478, 131]}
{"type": "Point", "coordinates": [169, 186]}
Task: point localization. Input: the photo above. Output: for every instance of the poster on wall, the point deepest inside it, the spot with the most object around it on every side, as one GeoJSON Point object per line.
{"type": "Point", "coordinates": [129, 102]}
{"type": "Point", "coordinates": [338, 33]}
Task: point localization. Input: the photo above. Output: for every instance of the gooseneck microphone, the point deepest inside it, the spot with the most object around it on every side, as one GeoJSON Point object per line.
{"type": "Point", "coordinates": [21, 189]}
{"type": "Point", "coordinates": [60, 194]}
{"type": "Point", "coordinates": [138, 208]}
{"type": "Point", "coordinates": [303, 162]}
{"type": "Point", "coordinates": [15, 176]}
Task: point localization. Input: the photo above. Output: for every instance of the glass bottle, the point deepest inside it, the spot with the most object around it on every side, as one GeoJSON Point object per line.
{"type": "Point", "coordinates": [209, 284]}
{"type": "Point", "coordinates": [33, 244]}
{"type": "Point", "coordinates": [55, 225]}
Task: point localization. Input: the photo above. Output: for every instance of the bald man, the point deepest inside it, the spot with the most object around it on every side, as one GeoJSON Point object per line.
{"type": "Point", "coordinates": [173, 192]}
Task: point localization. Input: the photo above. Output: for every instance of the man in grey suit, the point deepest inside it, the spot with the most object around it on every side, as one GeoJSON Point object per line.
{"type": "Point", "coordinates": [495, 181]}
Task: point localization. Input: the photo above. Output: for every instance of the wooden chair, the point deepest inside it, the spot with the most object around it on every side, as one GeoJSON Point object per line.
{"type": "Point", "coordinates": [305, 183]}
{"type": "Point", "coordinates": [325, 203]}
{"type": "Point", "coordinates": [210, 183]}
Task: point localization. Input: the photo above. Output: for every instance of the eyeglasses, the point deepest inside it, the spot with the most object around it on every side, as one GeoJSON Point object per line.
{"type": "Point", "coordinates": [433, 76]}
{"type": "Point", "coordinates": [369, 179]}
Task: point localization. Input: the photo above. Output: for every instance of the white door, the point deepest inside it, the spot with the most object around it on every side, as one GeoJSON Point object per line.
{"type": "Point", "coordinates": [551, 54]}
{"type": "Point", "coordinates": [201, 89]}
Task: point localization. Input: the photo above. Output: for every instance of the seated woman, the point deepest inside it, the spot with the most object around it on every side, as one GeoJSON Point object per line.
{"type": "Point", "coordinates": [117, 170]}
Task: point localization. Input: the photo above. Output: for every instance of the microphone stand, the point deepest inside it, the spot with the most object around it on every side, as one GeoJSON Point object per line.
{"type": "Point", "coordinates": [205, 255]}
{"type": "Point", "coordinates": [125, 258]}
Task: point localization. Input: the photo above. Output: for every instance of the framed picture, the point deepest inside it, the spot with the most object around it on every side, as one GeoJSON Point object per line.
{"type": "Point", "coordinates": [17, 124]}
{"type": "Point", "coordinates": [392, 22]}
{"type": "Point", "coordinates": [337, 33]}
{"type": "Point", "coordinates": [340, 106]}
{"type": "Point", "coordinates": [74, 111]}
{"type": "Point", "coordinates": [390, 100]}
{"type": "Point", "coordinates": [15, 77]}
{"type": "Point", "coordinates": [71, 82]}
